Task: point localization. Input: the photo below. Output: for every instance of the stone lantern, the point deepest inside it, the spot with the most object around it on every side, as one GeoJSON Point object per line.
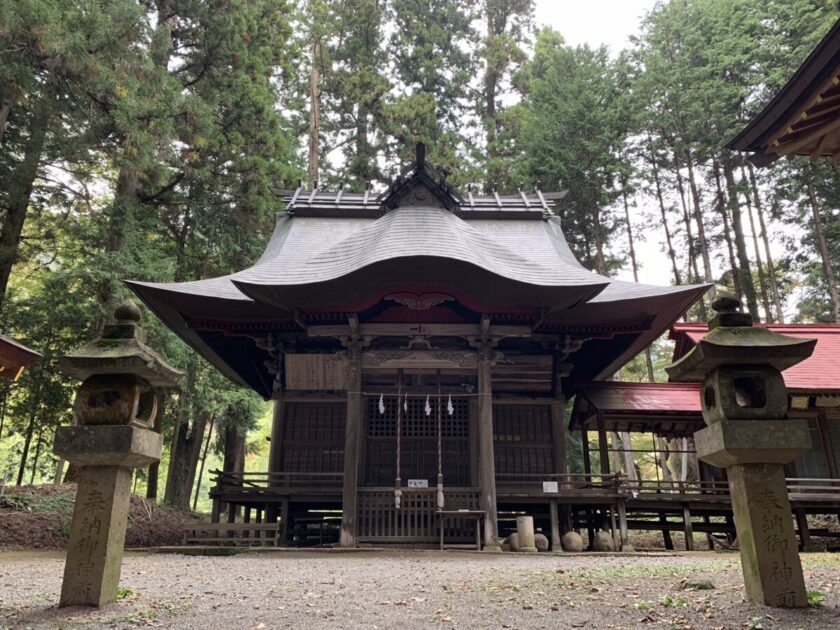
{"type": "Point", "coordinates": [744, 403]}
{"type": "Point", "coordinates": [115, 409]}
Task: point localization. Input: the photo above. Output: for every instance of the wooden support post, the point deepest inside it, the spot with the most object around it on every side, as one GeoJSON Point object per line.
{"type": "Point", "coordinates": [614, 529]}
{"type": "Point", "coordinates": [710, 539]}
{"type": "Point", "coordinates": [284, 521]}
{"type": "Point", "coordinates": [352, 444]}
{"type": "Point", "coordinates": [621, 507]}
{"type": "Point", "coordinates": [487, 464]}
{"type": "Point", "coordinates": [666, 533]}
{"type": "Point", "coordinates": [584, 444]}
{"type": "Point", "coordinates": [802, 527]}
{"type": "Point", "coordinates": [603, 447]}
{"type": "Point", "coordinates": [687, 528]}
{"type": "Point", "coordinates": [555, 526]}
{"type": "Point", "coordinates": [275, 451]}
{"type": "Point", "coordinates": [216, 512]}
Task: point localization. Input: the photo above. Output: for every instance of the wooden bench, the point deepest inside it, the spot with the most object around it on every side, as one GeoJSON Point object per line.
{"type": "Point", "coordinates": [475, 515]}
{"type": "Point", "coordinates": [232, 534]}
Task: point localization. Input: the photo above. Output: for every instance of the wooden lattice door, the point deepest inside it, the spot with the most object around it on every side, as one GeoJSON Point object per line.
{"type": "Point", "coordinates": [418, 443]}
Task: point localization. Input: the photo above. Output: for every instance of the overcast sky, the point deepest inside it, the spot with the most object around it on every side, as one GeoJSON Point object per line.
{"type": "Point", "coordinates": [594, 22]}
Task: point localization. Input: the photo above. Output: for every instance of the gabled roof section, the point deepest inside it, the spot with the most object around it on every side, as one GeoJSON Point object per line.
{"type": "Point", "coordinates": [419, 184]}
{"type": "Point", "coordinates": [14, 357]}
{"type": "Point", "coordinates": [819, 373]}
{"type": "Point", "coordinates": [804, 117]}
{"type": "Point", "coordinates": [666, 409]}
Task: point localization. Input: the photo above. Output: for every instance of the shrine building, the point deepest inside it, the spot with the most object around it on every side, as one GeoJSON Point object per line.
{"type": "Point", "coordinates": [419, 344]}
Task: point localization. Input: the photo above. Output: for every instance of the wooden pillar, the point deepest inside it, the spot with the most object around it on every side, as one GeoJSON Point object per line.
{"type": "Point", "coordinates": [487, 465]}
{"type": "Point", "coordinates": [804, 533]}
{"type": "Point", "coordinates": [624, 537]}
{"type": "Point", "coordinates": [828, 449]}
{"type": "Point", "coordinates": [584, 443]}
{"type": "Point", "coordinates": [687, 528]}
{"type": "Point", "coordinates": [276, 445]}
{"type": "Point", "coordinates": [587, 469]}
{"type": "Point", "coordinates": [352, 443]}
{"type": "Point", "coordinates": [284, 522]}
{"type": "Point", "coordinates": [561, 464]}
{"type": "Point", "coordinates": [666, 533]}
{"type": "Point", "coordinates": [555, 526]}
{"type": "Point", "coordinates": [603, 447]}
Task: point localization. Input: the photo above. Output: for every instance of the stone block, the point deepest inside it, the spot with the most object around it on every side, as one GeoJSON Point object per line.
{"type": "Point", "coordinates": [541, 542]}
{"type": "Point", "coordinates": [525, 531]}
{"type": "Point", "coordinates": [97, 537]}
{"type": "Point", "coordinates": [766, 539]}
{"type": "Point", "coordinates": [731, 442]}
{"type": "Point", "coordinates": [108, 445]}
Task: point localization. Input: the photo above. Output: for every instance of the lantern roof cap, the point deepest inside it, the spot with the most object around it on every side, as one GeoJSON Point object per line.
{"type": "Point", "coordinates": [121, 349]}
{"type": "Point", "coordinates": [733, 340]}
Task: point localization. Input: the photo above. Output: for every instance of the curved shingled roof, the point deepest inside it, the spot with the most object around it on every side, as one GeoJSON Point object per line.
{"type": "Point", "coordinates": [336, 254]}
{"type": "Point", "coordinates": [417, 245]}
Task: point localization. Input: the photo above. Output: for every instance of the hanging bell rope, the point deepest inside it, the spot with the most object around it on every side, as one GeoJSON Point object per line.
{"type": "Point", "coordinates": [398, 480]}
{"type": "Point", "coordinates": [440, 500]}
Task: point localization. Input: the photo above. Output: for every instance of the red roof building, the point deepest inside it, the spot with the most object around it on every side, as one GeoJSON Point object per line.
{"type": "Point", "coordinates": [818, 374]}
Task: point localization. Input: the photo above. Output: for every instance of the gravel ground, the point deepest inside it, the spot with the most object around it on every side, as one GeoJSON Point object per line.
{"type": "Point", "coordinates": [414, 589]}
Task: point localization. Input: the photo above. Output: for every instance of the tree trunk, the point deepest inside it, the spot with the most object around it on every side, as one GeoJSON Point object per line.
{"type": "Point", "coordinates": [822, 247]}
{"type": "Point", "coordinates": [203, 461]}
{"type": "Point", "coordinates": [38, 444]}
{"type": "Point", "coordinates": [314, 115]}
{"type": "Point", "coordinates": [27, 442]}
{"type": "Point", "coordinates": [186, 445]}
{"type": "Point", "coordinates": [701, 229]}
{"type": "Point", "coordinates": [692, 256]}
{"type": "Point", "coordinates": [669, 242]}
{"type": "Point", "coordinates": [635, 266]}
{"type": "Point", "coordinates": [153, 476]}
{"type": "Point", "coordinates": [125, 196]}
{"type": "Point", "coordinates": [5, 108]}
{"type": "Point", "coordinates": [727, 234]}
{"type": "Point", "coordinates": [762, 281]}
{"type": "Point", "coordinates": [744, 268]}
{"type": "Point", "coordinates": [771, 268]}
{"type": "Point", "coordinates": [234, 458]}
{"type": "Point", "coordinates": [20, 185]}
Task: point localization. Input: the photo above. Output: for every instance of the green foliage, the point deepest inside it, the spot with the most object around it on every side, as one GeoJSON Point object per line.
{"type": "Point", "coordinates": [675, 601]}
{"type": "Point", "coordinates": [816, 598]}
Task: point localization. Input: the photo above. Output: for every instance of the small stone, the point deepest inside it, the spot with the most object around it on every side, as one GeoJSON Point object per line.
{"type": "Point", "coordinates": [602, 542]}
{"type": "Point", "coordinates": [572, 541]}
{"type": "Point", "coordinates": [541, 542]}
{"type": "Point", "coordinates": [698, 585]}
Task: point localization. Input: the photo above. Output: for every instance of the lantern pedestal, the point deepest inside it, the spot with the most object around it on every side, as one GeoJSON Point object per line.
{"type": "Point", "coordinates": [97, 536]}
{"type": "Point", "coordinates": [754, 453]}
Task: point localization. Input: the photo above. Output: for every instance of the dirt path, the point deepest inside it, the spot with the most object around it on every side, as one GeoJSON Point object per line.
{"type": "Point", "coordinates": [413, 590]}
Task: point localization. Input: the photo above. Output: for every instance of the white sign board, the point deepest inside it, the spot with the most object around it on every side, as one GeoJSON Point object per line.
{"type": "Point", "coordinates": [418, 483]}
{"type": "Point", "coordinates": [549, 486]}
